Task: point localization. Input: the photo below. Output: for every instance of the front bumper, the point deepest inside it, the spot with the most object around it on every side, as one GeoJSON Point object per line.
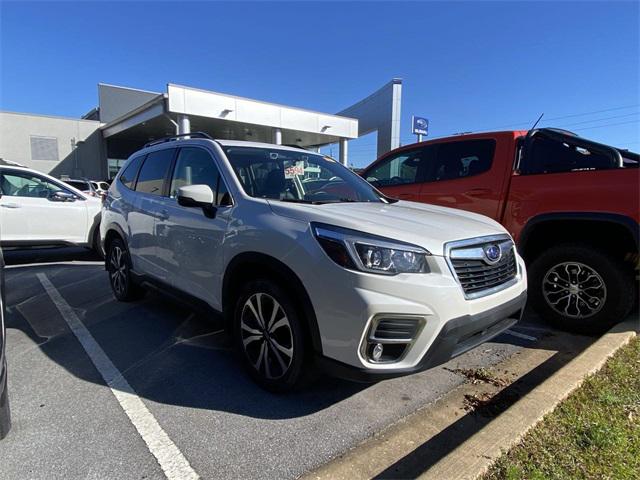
{"type": "Point", "coordinates": [456, 337]}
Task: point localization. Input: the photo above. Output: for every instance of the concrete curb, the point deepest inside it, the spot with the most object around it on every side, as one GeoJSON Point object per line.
{"type": "Point", "coordinates": [473, 458]}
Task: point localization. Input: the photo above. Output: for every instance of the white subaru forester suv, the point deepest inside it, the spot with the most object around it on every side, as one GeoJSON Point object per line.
{"type": "Point", "coordinates": [306, 260]}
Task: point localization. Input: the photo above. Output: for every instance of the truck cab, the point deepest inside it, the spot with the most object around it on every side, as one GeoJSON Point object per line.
{"type": "Point", "coordinates": [570, 204]}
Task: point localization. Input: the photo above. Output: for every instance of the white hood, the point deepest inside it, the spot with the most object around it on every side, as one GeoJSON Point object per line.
{"type": "Point", "coordinates": [428, 226]}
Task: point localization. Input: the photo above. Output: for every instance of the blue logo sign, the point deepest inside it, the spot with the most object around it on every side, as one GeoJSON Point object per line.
{"type": "Point", "coordinates": [419, 125]}
{"type": "Point", "coordinates": [492, 254]}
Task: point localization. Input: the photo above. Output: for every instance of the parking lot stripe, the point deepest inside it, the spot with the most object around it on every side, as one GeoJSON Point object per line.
{"type": "Point", "coordinates": [173, 463]}
{"type": "Point", "coordinates": [520, 335]}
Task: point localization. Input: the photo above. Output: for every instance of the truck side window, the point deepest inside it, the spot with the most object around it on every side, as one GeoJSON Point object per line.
{"type": "Point", "coordinates": [462, 159]}
{"type": "Point", "coordinates": [403, 168]}
{"type": "Point", "coordinates": [549, 155]}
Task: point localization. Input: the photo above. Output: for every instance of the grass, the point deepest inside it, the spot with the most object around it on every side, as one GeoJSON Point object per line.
{"type": "Point", "coordinates": [593, 434]}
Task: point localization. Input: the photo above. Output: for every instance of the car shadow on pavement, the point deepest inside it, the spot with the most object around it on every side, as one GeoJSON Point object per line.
{"type": "Point", "coordinates": [168, 353]}
{"type": "Point", "coordinates": [478, 416]}
{"type": "Point", "coordinates": [26, 256]}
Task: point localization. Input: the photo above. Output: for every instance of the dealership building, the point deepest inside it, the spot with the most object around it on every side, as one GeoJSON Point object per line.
{"type": "Point", "coordinates": [96, 145]}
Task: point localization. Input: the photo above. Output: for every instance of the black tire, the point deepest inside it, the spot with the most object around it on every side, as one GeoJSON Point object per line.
{"type": "Point", "coordinates": [5, 411]}
{"type": "Point", "coordinates": [594, 308]}
{"type": "Point", "coordinates": [120, 277]}
{"type": "Point", "coordinates": [268, 370]}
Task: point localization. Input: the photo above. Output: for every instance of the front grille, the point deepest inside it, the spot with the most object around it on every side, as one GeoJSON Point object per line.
{"type": "Point", "coordinates": [476, 275]}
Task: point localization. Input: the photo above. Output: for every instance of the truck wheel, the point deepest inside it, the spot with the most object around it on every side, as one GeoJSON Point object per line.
{"type": "Point", "coordinates": [119, 268]}
{"type": "Point", "coordinates": [269, 336]}
{"type": "Point", "coordinates": [580, 288]}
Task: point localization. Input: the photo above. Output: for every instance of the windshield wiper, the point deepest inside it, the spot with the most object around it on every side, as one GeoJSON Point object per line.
{"type": "Point", "coordinates": [300, 200]}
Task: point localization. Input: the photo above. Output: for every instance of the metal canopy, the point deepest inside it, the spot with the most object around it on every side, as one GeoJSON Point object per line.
{"type": "Point", "coordinates": [225, 117]}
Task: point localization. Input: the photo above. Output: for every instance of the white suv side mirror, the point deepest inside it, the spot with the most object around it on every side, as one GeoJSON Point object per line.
{"type": "Point", "coordinates": [195, 196]}
{"type": "Point", "coordinates": [62, 196]}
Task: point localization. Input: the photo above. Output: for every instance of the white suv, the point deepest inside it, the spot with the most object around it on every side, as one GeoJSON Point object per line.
{"type": "Point", "coordinates": [37, 209]}
{"type": "Point", "coordinates": [306, 260]}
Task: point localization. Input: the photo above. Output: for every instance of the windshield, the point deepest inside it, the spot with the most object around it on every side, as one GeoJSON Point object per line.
{"type": "Point", "coordinates": [297, 176]}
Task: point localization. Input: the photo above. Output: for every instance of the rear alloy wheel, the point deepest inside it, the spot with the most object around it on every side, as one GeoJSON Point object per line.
{"type": "Point", "coordinates": [118, 266]}
{"type": "Point", "coordinates": [581, 288]}
{"type": "Point", "coordinates": [269, 336]}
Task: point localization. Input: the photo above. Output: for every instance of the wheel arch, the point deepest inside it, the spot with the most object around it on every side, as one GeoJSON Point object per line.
{"type": "Point", "coordinates": [113, 231]}
{"type": "Point", "coordinates": [252, 265]}
{"type": "Point", "coordinates": [614, 233]}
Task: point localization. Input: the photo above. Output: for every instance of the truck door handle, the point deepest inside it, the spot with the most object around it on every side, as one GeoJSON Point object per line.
{"type": "Point", "coordinates": [405, 195]}
{"type": "Point", "coordinates": [478, 192]}
{"type": "Point", "coordinates": [10, 205]}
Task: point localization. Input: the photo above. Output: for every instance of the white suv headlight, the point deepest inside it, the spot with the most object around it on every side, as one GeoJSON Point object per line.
{"type": "Point", "coordinates": [369, 253]}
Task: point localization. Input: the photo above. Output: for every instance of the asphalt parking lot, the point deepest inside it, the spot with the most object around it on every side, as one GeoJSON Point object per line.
{"type": "Point", "coordinates": [67, 423]}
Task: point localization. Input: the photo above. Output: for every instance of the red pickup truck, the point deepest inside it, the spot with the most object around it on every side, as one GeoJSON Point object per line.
{"type": "Point", "coordinates": [571, 204]}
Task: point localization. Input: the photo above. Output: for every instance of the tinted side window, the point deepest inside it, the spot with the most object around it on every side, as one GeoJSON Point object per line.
{"type": "Point", "coordinates": [196, 167]}
{"type": "Point", "coordinates": [462, 159]}
{"type": "Point", "coordinates": [154, 172]}
{"type": "Point", "coordinates": [548, 155]}
{"type": "Point", "coordinates": [128, 177]}
{"type": "Point", "coordinates": [402, 168]}
{"type": "Point", "coordinates": [25, 184]}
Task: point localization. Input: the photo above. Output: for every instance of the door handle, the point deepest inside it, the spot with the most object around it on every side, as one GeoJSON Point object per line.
{"type": "Point", "coordinates": [10, 205]}
{"type": "Point", "coordinates": [479, 192]}
{"type": "Point", "coordinates": [163, 215]}
{"type": "Point", "coordinates": [405, 195]}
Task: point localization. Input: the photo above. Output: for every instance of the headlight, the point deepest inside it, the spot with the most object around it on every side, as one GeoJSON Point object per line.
{"type": "Point", "coordinates": [369, 253]}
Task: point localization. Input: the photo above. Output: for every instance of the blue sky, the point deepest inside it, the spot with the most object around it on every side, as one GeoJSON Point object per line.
{"type": "Point", "coordinates": [467, 66]}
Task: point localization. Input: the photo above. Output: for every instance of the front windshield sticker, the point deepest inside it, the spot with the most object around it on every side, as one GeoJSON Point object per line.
{"type": "Point", "coordinates": [297, 176]}
{"type": "Point", "coordinates": [293, 170]}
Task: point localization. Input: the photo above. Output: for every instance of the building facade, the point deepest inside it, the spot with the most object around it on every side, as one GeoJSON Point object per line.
{"type": "Point", "coordinates": [125, 119]}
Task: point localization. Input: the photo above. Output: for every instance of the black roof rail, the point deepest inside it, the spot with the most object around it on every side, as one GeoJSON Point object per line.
{"type": "Point", "coordinates": [173, 138]}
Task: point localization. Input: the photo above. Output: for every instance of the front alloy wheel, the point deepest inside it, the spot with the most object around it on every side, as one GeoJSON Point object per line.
{"type": "Point", "coordinates": [266, 335]}
{"type": "Point", "coordinates": [269, 335]}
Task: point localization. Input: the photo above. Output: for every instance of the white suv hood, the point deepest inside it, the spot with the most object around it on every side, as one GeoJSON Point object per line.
{"type": "Point", "coordinates": [428, 226]}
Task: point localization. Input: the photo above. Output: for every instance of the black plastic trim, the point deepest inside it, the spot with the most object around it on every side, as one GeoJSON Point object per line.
{"type": "Point", "coordinates": [630, 224]}
{"type": "Point", "coordinates": [175, 294]}
{"type": "Point", "coordinates": [284, 272]}
{"type": "Point", "coordinates": [116, 228]}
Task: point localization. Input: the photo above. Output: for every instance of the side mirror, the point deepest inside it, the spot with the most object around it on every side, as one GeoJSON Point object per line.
{"type": "Point", "coordinates": [199, 196]}
{"type": "Point", "coordinates": [373, 181]}
{"type": "Point", "coordinates": [62, 196]}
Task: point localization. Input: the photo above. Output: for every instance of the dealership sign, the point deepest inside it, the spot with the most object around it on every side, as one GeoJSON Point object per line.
{"type": "Point", "coordinates": [419, 125]}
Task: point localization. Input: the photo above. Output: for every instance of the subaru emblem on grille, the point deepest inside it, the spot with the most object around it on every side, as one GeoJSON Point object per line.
{"type": "Point", "coordinates": [492, 253]}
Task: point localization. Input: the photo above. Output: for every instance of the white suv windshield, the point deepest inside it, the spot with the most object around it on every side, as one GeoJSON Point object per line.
{"type": "Point", "coordinates": [292, 176]}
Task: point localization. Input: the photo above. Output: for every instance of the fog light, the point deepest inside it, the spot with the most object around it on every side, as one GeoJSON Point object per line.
{"type": "Point", "coordinates": [377, 352]}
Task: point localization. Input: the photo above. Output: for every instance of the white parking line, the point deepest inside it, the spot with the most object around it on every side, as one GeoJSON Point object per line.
{"type": "Point", "coordinates": [173, 463]}
{"type": "Point", "coordinates": [521, 335]}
